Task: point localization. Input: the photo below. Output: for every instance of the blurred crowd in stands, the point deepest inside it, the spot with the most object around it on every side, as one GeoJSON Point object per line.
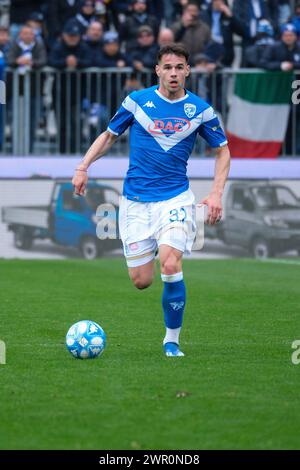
{"type": "Point", "coordinates": [117, 33]}
{"type": "Point", "coordinates": [77, 34]}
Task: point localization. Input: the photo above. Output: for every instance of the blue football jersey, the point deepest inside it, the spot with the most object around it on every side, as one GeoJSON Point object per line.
{"type": "Point", "coordinates": [162, 137]}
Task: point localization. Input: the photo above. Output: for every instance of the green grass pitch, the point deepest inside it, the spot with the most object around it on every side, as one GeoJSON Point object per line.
{"type": "Point", "coordinates": [236, 388]}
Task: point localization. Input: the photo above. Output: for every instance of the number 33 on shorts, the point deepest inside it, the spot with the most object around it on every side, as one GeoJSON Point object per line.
{"type": "Point", "coordinates": [178, 215]}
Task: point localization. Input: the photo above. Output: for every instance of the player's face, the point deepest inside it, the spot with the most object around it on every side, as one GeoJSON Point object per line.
{"type": "Point", "coordinates": [172, 71]}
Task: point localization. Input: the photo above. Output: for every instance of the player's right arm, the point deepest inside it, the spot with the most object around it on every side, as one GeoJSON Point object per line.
{"type": "Point", "coordinates": [118, 124]}
{"type": "Point", "coordinates": [99, 147]}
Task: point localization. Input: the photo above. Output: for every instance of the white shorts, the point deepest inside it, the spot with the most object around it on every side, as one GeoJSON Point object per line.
{"type": "Point", "coordinates": [144, 226]}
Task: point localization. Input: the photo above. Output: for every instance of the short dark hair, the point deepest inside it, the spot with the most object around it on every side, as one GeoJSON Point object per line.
{"type": "Point", "coordinates": [191, 2]}
{"type": "Point", "coordinates": [173, 48]}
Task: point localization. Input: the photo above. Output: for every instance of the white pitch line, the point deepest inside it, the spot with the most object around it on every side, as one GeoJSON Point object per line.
{"type": "Point", "coordinates": [280, 261]}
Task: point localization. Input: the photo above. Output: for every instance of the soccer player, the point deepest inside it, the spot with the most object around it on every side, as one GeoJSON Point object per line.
{"type": "Point", "coordinates": [157, 211]}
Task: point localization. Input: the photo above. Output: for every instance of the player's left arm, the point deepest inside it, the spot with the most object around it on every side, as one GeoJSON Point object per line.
{"type": "Point", "coordinates": [214, 199]}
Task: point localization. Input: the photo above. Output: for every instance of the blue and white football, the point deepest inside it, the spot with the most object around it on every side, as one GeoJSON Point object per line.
{"type": "Point", "coordinates": [86, 340]}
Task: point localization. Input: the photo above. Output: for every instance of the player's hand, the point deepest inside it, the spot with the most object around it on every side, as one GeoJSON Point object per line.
{"type": "Point", "coordinates": [214, 207]}
{"type": "Point", "coordinates": [79, 181]}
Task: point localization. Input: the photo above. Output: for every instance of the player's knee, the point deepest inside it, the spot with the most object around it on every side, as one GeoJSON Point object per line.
{"type": "Point", "coordinates": [141, 283]}
{"type": "Point", "coordinates": [170, 266]}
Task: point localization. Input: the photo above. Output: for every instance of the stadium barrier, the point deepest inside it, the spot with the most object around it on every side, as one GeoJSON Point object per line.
{"type": "Point", "coordinates": [50, 112]}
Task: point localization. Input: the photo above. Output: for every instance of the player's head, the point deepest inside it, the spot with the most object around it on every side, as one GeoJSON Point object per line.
{"type": "Point", "coordinates": [172, 67]}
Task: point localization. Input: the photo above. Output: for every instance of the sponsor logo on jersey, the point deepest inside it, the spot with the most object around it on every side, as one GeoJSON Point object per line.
{"type": "Point", "coordinates": [189, 109]}
{"type": "Point", "coordinates": [149, 104]}
{"type": "Point", "coordinates": [168, 126]}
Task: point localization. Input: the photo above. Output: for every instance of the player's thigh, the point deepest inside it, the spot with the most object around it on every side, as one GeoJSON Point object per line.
{"type": "Point", "coordinates": [177, 227]}
{"type": "Point", "coordinates": [140, 257]}
{"type": "Point", "coordinates": [170, 259]}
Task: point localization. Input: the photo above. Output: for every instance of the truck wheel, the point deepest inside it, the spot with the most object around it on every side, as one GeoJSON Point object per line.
{"type": "Point", "coordinates": [261, 249]}
{"type": "Point", "coordinates": [22, 238]}
{"type": "Point", "coordinates": [89, 248]}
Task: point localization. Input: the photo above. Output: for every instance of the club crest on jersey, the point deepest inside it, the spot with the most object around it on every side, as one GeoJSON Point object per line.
{"type": "Point", "coordinates": [168, 126]}
{"type": "Point", "coordinates": [189, 109]}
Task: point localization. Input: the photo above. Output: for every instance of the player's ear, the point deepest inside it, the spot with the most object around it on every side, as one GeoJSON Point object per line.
{"type": "Point", "coordinates": [188, 70]}
{"type": "Point", "coordinates": [157, 70]}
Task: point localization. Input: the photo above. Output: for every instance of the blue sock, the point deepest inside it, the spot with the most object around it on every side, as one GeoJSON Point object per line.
{"type": "Point", "coordinates": [173, 302]}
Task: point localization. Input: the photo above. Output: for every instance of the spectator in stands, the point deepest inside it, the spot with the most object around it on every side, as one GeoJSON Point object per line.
{"type": "Point", "coordinates": [223, 24]}
{"type": "Point", "coordinates": [110, 87]}
{"type": "Point", "coordinates": [94, 40]}
{"type": "Point", "coordinates": [132, 83]}
{"type": "Point", "coordinates": [60, 11]}
{"type": "Point", "coordinates": [2, 66]}
{"type": "Point", "coordinates": [209, 84]}
{"type": "Point", "coordinates": [138, 17]}
{"type": "Point", "coordinates": [85, 16]}
{"type": "Point", "coordinates": [204, 66]}
{"type": "Point", "coordinates": [26, 53]}
{"type": "Point", "coordinates": [191, 30]}
{"type": "Point", "coordinates": [165, 37]}
{"type": "Point", "coordinates": [296, 18]}
{"type": "Point", "coordinates": [119, 9]}
{"type": "Point", "coordinates": [111, 55]}
{"type": "Point", "coordinates": [178, 7]}
{"type": "Point", "coordinates": [36, 22]}
{"type": "Point", "coordinates": [68, 53]}
{"type": "Point", "coordinates": [20, 10]}
{"type": "Point", "coordinates": [4, 40]}
{"type": "Point", "coordinates": [264, 38]}
{"type": "Point", "coordinates": [144, 55]}
{"type": "Point", "coordinates": [283, 55]}
{"type": "Point", "coordinates": [209, 88]}
{"type": "Point", "coordinates": [160, 9]}
{"type": "Point", "coordinates": [104, 15]}
{"type": "Point", "coordinates": [284, 11]}
{"type": "Point", "coordinates": [248, 13]}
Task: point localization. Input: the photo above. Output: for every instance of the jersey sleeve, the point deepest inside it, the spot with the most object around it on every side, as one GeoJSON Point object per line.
{"type": "Point", "coordinates": [123, 117]}
{"type": "Point", "coordinates": [210, 129]}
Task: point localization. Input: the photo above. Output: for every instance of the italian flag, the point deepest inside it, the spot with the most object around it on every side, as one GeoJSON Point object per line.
{"type": "Point", "coordinates": [259, 113]}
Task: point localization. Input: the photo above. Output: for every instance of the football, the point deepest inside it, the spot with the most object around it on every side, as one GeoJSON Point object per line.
{"type": "Point", "coordinates": [85, 339]}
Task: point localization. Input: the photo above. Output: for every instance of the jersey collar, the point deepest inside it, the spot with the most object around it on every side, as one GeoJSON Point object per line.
{"type": "Point", "coordinates": [167, 99]}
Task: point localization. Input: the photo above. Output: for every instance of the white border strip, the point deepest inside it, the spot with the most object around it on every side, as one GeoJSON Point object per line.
{"type": "Point", "coordinates": [116, 167]}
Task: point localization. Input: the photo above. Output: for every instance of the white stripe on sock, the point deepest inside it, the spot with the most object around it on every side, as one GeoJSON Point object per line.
{"type": "Point", "coordinates": [172, 335]}
{"type": "Point", "coordinates": [172, 277]}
